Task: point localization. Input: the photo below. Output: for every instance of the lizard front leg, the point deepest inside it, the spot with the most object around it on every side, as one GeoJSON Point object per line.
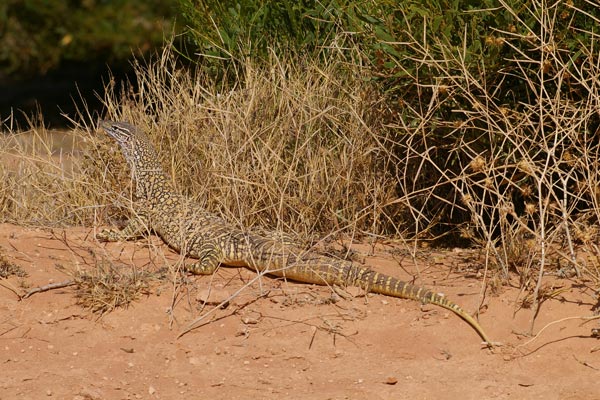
{"type": "Point", "coordinates": [136, 227]}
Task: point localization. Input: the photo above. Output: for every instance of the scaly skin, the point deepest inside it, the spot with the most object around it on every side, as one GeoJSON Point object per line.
{"type": "Point", "coordinates": [191, 230]}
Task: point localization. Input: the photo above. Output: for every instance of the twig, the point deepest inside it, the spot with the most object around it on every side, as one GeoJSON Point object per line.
{"type": "Point", "coordinates": [11, 288]}
{"type": "Point", "coordinates": [8, 330]}
{"type": "Point", "coordinates": [50, 286]}
{"type": "Point", "coordinates": [588, 318]}
{"type": "Point", "coordinates": [195, 323]}
{"type": "Point", "coordinates": [585, 363]}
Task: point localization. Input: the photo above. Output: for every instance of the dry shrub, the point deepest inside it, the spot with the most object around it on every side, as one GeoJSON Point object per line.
{"type": "Point", "coordinates": [296, 146]}
{"type": "Point", "coordinates": [523, 180]}
{"type": "Point", "coordinates": [8, 268]}
{"type": "Point", "coordinates": [107, 287]}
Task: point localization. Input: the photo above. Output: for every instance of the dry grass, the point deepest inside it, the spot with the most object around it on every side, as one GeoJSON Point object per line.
{"type": "Point", "coordinates": [295, 147]}
{"type": "Point", "coordinates": [45, 182]}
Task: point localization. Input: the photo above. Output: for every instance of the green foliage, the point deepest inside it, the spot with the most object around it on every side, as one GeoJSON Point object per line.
{"type": "Point", "coordinates": [230, 30]}
{"type": "Point", "coordinates": [393, 34]}
{"type": "Point", "coordinates": [222, 28]}
{"type": "Point", "coordinates": [37, 35]}
{"type": "Point", "coordinates": [402, 32]}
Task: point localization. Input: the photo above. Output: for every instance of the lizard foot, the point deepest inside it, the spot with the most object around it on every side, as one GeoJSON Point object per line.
{"type": "Point", "coordinates": [108, 235]}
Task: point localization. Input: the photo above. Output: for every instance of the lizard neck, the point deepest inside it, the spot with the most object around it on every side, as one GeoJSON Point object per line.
{"type": "Point", "coordinates": [151, 184]}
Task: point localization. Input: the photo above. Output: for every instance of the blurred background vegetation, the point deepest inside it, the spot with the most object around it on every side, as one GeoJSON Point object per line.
{"type": "Point", "coordinates": [51, 50]}
{"type": "Point", "coordinates": [40, 35]}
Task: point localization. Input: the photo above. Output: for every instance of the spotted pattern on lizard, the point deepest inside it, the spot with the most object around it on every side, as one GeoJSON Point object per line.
{"type": "Point", "coordinates": [197, 233]}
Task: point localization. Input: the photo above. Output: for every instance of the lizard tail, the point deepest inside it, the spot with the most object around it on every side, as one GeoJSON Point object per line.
{"type": "Point", "coordinates": [383, 284]}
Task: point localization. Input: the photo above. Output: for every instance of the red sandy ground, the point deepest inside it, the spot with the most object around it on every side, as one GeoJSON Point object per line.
{"type": "Point", "coordinates": [290, 344]}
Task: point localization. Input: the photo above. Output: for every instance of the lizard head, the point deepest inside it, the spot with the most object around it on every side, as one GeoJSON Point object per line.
{"type": "Point", "coordinates": [135, 145]}
{"type": "Point", "coordinates": [122, 132]}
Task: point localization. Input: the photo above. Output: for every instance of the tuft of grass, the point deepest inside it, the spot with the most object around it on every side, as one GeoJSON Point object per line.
{"type": "Point", "coordinates": [106, 288]}
{"type": "Point", "coordinates": [8, 268]}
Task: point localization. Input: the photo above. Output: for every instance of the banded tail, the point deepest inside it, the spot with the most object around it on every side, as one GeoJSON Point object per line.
{"type": "Point", "coordinates": [322, 270]}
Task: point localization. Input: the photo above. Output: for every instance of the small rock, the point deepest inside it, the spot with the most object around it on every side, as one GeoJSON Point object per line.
{"type": "Point", "coordinates": [213, 296]}
{"type": "Point", "coordinates": [249, 321]}
{"type": "Point", "coordinates": [196, 361]}
{"type": "Point", "coordinates": [391, 380]}
{"type": "Point", "coordinates": [92, 394]}
{"type": "Point", "coordinates": [151, 390]}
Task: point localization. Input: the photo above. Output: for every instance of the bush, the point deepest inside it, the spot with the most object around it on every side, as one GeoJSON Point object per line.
{"type": "Point", "coordinates": [507, 151]}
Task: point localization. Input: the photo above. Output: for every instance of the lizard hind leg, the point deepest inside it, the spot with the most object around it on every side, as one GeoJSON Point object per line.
{"type": "Point", "coordinates": [209, 258]}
